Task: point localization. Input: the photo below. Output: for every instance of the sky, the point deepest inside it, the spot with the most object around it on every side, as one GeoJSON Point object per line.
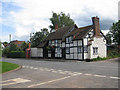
{"type": "Point", "coordinates": [22, 17]}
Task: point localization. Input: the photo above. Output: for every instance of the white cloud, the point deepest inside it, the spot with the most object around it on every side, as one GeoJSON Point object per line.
{"type": "Point", "coordinates": [35, 15]}
{"type": "Point", "coordinates": [105, 32]}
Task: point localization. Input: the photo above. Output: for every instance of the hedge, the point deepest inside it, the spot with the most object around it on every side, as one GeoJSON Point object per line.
{"type": "Point", "coordinates": [16, 54]}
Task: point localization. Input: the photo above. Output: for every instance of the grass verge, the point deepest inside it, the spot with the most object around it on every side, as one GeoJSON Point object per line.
{"type": "Point", "coordinates": [7, 66]}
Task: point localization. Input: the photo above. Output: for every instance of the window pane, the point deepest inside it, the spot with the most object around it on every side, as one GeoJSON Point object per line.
{"type": "Point", "coordinates": [79, 50]}
{"type": "Point", "coordinates": [95, 50]}
{"type": "Point", "coordinates": [67, 50]}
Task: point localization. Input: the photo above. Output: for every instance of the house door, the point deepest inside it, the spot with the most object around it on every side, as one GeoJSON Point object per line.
{"type": "Point", "coordinates": [53, 53]}
{"type": "Point", "coordinates": [63, 53]}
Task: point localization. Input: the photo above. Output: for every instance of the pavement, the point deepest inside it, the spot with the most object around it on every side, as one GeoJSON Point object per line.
{"type": "Point", "coordinates": [57, 74]}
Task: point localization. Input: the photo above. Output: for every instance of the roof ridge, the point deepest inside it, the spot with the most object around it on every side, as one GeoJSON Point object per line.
{"type": "Point", "coordinates": [66, 26]}
{"type": "Point", "coordinates": [85, 26]}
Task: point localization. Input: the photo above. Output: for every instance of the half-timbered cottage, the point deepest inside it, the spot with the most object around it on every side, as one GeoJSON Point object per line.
{"type": "Point", "coordinates": [71, 42]}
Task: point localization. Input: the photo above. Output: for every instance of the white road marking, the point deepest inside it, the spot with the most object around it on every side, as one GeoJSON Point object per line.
{"type": "Point", "coordinates": [51, 69]}
{"type": "Point", "coordinates": [79, 73]}
{"type": "Point", "coordinates": [115, 77]}
{"type": "Point", "coordinates": [71, 73]}
{"type": "Point", "coordinates": [54, 71]}
{"type": "Point", "coordinates": [27, 66]}
{"type": "Point", "coordinates": [99, 75]}
{"type": "Point", "coordinates": [49, 82]}
{"type": "Point", "coordinates": [35, 68]}
{"type": "Point", "coordinates": [88, 74]}
{"type": "Point", "coordinates": [15, 81]}
{"type": "Point", "coordinates": [62, 72]}
{"type": "Point", "coordinates": [67, 72]}
{"type": "Point", "coordinates": [59, 70]}
{"type": "Point", "coordinates": [46, 69]}
{"type": "Point", "coordinates": [31, 67]}
{"type": "Point", "coordinates": [23, 66]}
{"type": "Point", "coordinates": [41, 69]}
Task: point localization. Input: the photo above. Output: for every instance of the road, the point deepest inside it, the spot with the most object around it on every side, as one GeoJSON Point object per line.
{"type": "Point", "coordinates": [56, 74]}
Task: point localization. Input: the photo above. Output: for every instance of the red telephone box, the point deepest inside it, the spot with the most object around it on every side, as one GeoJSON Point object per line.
{"type": "Point", "coordinates": [28, 54]}
{"type": "Point", "coordinates": [28, 51]}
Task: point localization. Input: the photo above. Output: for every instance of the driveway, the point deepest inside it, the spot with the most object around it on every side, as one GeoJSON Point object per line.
{"type": "Point", "coordinates": [55, 74]}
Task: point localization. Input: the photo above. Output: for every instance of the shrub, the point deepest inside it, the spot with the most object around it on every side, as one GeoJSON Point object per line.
{"type": "Point", "coordinates": [16, 54]}
{"type": "Point", "coordinates": [99, 58]}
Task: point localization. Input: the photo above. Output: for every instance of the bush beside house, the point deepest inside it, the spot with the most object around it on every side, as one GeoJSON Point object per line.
{"type": "Point", "coordinates": [16, 54]}
{"type": "Point", "coordinates": [112, 53]}
{"type": "Point", "coordinates": [12, 51]}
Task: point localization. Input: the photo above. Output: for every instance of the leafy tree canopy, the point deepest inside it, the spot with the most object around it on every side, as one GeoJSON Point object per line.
{"type": "Point", "coordinates": [38, 37]}
{"type": "Point", "coordinates": [114, 34]}
{"type": "Point", "coordinates": [24, 46]}
{"type": "Point", "coordinates": [61, 19]}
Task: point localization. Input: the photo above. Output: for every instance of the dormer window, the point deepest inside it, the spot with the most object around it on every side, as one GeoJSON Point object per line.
{"type": "Point", "coordinates": [69, 39]}
{"type": "Point", "coordinates": [50, 42]}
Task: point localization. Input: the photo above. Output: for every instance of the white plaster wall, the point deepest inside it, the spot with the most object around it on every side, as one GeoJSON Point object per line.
{"type": "Point", "coordinates": [101, 44]}
{"type": "Point", "coordinates": [40, 52]}
{"type": "Point", "coordinates": [85, 55]}
{"type": "Point", "coordinates": [34, 52]}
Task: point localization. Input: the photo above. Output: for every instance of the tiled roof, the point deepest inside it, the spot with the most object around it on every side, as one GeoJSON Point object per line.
{"type": "Point", "coordinates": [42, 44]}
{"type": "Point", "coordinates": [79, 33]}
{"type": "Point", "coordinates": [60, 33]}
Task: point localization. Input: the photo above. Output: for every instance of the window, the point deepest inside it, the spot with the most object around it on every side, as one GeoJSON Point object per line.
{"type": "Point", "coordinates": [79, 49]}
{"type": "Point", "coordinates": [50, 42]}
{"type": "Point", "coordinates": [67, 50]}
{"type": "Point", "coordinates": [95, 50]}
{"type": "Point", "coordinates": [69, 39]}
{"type": "Point", "coordinates": [58, 50]}
{"type": "Point", "coordinates": [57, 42]}
{"type": "Point", "coordinates": [85, 49]}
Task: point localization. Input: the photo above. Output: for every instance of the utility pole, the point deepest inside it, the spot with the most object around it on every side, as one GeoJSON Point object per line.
{"type": "Point", "coordinates": [10, 37]}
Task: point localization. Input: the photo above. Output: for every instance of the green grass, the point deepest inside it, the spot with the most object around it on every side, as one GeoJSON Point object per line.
{"type": "Point", "coordinates": [7, 66]}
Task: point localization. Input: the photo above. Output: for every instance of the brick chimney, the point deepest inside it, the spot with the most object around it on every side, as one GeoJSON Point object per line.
{"type": "Point", "coordinates": [56, 26]}
{"type": "Point", "coordinates": [96, 26]}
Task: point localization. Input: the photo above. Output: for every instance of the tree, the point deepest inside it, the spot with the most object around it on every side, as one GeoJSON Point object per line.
{"type": "Point", "coordinates": [61, 19]}
{"type": "Point", "coordinates": [24, 46]}
{"type": "Point", "coordinates": [109, 38]}
{"type": "Point", "coordinates": [13, 47]}
{"type": "Point", "coordinates": [115, 32]}
{"type": "Point", "coordinates": [38, 37]}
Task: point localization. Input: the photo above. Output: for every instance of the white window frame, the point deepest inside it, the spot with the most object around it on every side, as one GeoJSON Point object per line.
{"type": "Point", "coordinates": [95, 50]}
{"type": "Point", "coordinates": [85, 49]}
{"type": "Point", "coordinates": [79, 49]}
